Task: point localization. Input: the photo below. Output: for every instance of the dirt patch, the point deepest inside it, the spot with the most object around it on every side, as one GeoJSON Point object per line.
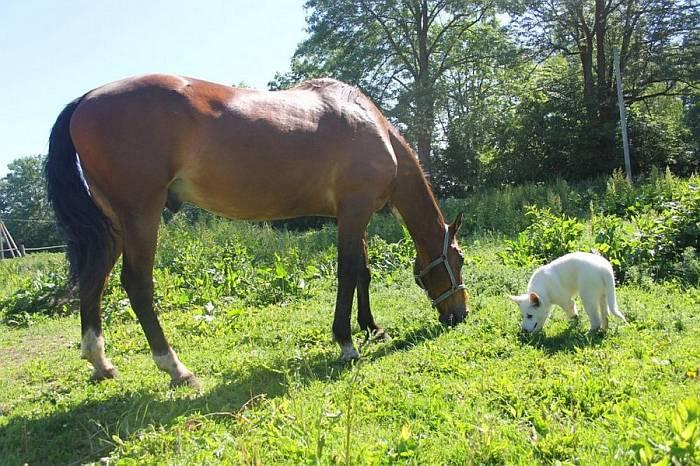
{"type": "Point", "coordinates": [26, 348]}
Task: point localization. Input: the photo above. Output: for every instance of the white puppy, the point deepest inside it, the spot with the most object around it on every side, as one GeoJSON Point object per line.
{"type": "Point", "coordinates": [589, 275]}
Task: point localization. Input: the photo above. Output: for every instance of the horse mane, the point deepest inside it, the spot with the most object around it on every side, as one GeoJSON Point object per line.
{"type": "Point", "coordinates": [353, 94]}
{"type": "Point", "coordinates": [411, 152]}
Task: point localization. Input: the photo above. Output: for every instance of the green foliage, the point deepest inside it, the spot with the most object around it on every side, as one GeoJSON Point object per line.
{"type": "Point", "coordinates": [40, 294]}
{"type": "Point", "coordinates": [648, 230]}
{"type": "Point", "coordinates": [504, 209]}
{"type": "Point", "coordinates": [655, 39]}
{"type": "Point", "coordinates": [274, 392]}
{"type": "Point", "coordinates": [549, 236]}
{"type": "Point", "coordinates": [387, 257]}
{"type": "Point", "coordinates": [213, 262]}
{"type": "Point", "coordinates": [660, 137]}
{"type": "Point", "coordinates": [23, 204]}
{"type": "Point", "coordinates": [683, 446]}
{"type": "Point", "coordinates": [614, 238]}
{"type": "Point", "coordinates": [547, 133]}
{"type": "Point", "coordinates": [658, 226]}
{"type": "Point", "coordinates": [624, 199]}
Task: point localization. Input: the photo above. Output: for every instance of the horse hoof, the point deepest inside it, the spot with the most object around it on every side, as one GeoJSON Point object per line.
{"type": "Point", "coordinates": [188, 380]}
{"type": "Point", "coordinates": [348, 353]}
{"type": "Point", "coordinates": [99, 375]}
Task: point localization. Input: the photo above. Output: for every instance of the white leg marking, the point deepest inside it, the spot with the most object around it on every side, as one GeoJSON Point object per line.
{"type": "Point", "coordinates": [169, 363]}
{"type": "Point", "coordinates": [92, 348]}
{"type": "Point", "coordinates": [348, 351]}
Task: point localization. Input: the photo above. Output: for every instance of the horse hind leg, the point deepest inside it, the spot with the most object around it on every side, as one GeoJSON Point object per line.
{"type": "Point", "coordinates": [140, 238]}
{"type": "Point", "coordinates": [92, 281]}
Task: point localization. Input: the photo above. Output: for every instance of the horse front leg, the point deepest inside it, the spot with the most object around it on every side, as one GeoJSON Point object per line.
{"type": "Point", "coordinates": [364, 313]}
{"type": "Point", "coordinates": [352, 223]}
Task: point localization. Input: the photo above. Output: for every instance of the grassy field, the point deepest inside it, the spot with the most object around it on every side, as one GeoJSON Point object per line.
{"type": "Point", "coordinates": [274, 391]}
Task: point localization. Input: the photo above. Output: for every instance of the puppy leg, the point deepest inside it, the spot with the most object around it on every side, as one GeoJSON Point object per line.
{"type": "Point", "coordinates": [603, 313]}
{"type": "Point", "coordinates": [591, 304]}
{"type": "Point", "coordinates": [570, 309]}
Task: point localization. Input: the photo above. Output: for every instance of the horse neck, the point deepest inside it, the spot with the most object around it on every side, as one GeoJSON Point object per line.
{"type": "Point", "coordinates": [416, 204]}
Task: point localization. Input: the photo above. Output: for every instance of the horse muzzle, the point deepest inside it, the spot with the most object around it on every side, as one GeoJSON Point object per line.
{"type": "Point", "coordinates": [450, 319]}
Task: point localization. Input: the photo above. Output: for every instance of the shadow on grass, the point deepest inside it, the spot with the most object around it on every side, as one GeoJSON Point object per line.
{"type": "Point", "coordinates": [571, 339]}
{"type": "Point", "coordinates": [91, 430]}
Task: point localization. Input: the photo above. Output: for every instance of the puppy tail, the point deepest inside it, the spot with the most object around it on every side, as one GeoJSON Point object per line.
{"type": "Point", "coordinates": [612, 301]}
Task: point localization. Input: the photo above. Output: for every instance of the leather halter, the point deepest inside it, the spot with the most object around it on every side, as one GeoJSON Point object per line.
{"type": "Point", "coordinates": [437, 262]}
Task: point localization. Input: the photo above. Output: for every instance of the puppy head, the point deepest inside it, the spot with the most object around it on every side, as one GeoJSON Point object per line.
{"type": "Point", "coordinates": [535, 312]}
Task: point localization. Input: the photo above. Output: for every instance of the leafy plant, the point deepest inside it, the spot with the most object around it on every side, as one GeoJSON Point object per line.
{"type": "Point", "coordinates": [42, 294]}
{"type": "Point", "coordinates": [548, 237]}
{"type": "Point", "coordinates": [683, 446]}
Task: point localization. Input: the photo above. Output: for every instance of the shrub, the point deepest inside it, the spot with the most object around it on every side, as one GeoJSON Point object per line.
{"type": "Point", "coordinates": [548, 237]}
{"type": "Point", "coordinates": [41, 294]}
{"type": "Point", "coordinates": [386, 257]}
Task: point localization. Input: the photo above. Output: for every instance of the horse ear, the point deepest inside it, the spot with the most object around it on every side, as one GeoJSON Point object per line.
{"type": "Point", "coordinates": [534, 299]}
{"type": "Point", "coordinates": [457, 224]}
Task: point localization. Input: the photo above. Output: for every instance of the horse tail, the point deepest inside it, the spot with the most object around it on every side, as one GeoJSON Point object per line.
{"type": "Point", "coordinates": [612, 301]}
{"type": "Point", "coordinates": [86, 230]}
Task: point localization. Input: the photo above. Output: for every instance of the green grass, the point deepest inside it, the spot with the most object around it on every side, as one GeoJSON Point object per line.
{"type": "Point", "coordinates": [249, 310]}
{"type": "Point", "coordinates": [275, 393]}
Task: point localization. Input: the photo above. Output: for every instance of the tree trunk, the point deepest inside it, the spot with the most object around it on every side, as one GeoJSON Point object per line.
{"type": "Point", "coordinates": [425, 96]}
{"type": "Point", "coordinates": [607, 121]}
{"type": "Point", "coordinates": [589, 91]}
{"type": "Point", "coordinates": [600, 29]}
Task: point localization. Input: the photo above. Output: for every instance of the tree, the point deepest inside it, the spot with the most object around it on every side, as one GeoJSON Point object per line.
{"type": "Point", "coordinates": [396, 51]}
{"type": "Point", "coordinates": [657, 40]}
{"type": "Point", "coordinates": [24, 206]}
{"type": "Point", "coordinates": [474, 103]}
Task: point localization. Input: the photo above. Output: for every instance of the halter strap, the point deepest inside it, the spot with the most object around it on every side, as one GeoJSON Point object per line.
{"type": "Point", "coordinates": [437, 262]}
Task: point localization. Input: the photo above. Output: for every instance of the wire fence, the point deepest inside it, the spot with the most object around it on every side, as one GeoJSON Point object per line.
{"type": "Point", "coordinates": [43, 248]}
{"type": "Point", "coordinates": [12, 250]}
{"type": "Point", "coordinates": [28, 220]}
{"type": "Point", "coordinates": [23, 249]}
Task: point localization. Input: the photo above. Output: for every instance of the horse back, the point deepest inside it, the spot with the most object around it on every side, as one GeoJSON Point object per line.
{"type": "Point", "coordinates": [238, 152]}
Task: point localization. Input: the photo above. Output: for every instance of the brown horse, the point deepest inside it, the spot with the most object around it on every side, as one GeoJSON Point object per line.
{"type": "Point", "coordinates": [120, 153]}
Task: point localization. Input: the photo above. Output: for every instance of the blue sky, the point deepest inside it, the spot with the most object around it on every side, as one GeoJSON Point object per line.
{"type": "Point", "coordinates": [52, 51]}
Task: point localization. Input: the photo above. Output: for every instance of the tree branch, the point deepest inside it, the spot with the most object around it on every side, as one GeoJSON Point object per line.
{"type": "Point", "coordinates": [390, 38]}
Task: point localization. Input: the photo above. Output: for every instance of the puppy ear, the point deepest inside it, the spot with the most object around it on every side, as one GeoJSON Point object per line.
{"type": "Point", "coordinates": [534, 299]}
{"type": "Point", "coordinates": [518, 299]}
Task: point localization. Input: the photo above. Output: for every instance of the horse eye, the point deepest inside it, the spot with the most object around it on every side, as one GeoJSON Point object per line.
{"type": "Point", "coordinates": [529, 316]}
